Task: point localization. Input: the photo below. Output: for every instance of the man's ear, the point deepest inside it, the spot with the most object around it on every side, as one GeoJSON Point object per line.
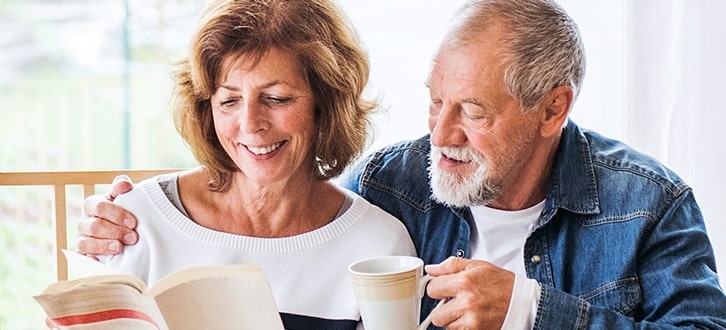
{"type": "Point", "coordinates": [557, 106]}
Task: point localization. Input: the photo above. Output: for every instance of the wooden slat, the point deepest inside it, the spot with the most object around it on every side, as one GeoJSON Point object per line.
{"type": "Point", "coordinates": [59, 225]}
{"type": "Point", "coordinates": [60, 180]}
{"type": "Point", "coordinates": [42, 178]}
{"type": "Point", "coordinates": [88, 190]}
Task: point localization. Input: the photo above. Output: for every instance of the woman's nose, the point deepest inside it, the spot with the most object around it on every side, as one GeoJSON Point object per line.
{"type": "Point", "coordinates": [252, 117]}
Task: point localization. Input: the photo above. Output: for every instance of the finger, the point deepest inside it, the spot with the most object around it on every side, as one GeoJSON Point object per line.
{"type": "Point", "coordinates": [95, 227]}
{"type": "Point", "coordinates": [464, 312]}
{"type": "Point", "coordinates": [91, 246]}
{"type": "Point", "coordinates": [96, 206]}
{"type": "Point", "coordinates": [121, 184]}
{"type": "Point", "coordinates": [447, 314]}
{"type": "Point", "coordinates": [444, 287]}
{"type": "Point", "coordinates": [49, 323]}
{"type": "Point", "coordinates": [456, 277]}
{"type": "Point", "coordinates": [455, 315]}
{"type": "Point", "coordinates": [425, 323]}
{"type": "Point", "coordinates": [451, 265]}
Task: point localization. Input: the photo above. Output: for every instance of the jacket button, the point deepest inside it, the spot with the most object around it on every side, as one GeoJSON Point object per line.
{"type": "Point", "coordinates": [460, 253]}
{"type": "Point", "coordinates": [536, 259]}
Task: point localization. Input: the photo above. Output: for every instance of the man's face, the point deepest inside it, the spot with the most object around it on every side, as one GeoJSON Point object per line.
{"type": "Point", "coordinates": [481, 141]}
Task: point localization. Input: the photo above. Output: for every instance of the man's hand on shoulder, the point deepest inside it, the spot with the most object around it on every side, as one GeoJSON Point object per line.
{"type": "Point", "coordinates": [106, 227]}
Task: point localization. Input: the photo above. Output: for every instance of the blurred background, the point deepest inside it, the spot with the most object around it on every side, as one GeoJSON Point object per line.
{"type": "Point", "coordinates": [84, 85]}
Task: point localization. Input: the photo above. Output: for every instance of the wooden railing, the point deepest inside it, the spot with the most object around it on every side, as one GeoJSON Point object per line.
{"type": "Point", "coordinates": [60, 180]}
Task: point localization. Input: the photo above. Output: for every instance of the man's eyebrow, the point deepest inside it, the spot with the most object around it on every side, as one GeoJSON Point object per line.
{"type": "Point", "coordinates": [478, 102]}
{"type": "Point", "coordinates": [473, 101]}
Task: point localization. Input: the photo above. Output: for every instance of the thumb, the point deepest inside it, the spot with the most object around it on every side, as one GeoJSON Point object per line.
{"type": "Point", "coordinates": [121, 184]}
{"type": "Point", "coordinates": [451, 265]}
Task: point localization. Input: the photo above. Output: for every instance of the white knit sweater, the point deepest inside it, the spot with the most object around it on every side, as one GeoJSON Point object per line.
{"type": "Point", "coordinates": [308, 273]}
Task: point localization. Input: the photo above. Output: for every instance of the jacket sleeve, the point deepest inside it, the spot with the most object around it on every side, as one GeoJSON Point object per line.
{"type": "Point", "coordinates": [677, 279]}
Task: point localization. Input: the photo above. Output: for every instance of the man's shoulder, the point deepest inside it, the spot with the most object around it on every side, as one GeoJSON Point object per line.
{"type": "Point", "coordinates": [417, 147]}
{"type": "Point", "coordinates": [401, 160]}
{"type": "Point", "coordinates": [618, 158]}
{"type": "Point", "coordinates": [598, 170]}
{"type": "Point", "coordinates": [398, 171]}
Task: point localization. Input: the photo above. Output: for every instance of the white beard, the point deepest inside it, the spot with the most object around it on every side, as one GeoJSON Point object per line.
{"type": "Point", "coordinates": [458, 190]}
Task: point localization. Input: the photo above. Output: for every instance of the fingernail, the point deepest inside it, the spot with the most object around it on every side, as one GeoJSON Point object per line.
{"type": "Point", "coordinates": [129, 223]}
{"type": "Point", "coordinates": [114, 246]}
{"type": "Point", "coordinates": [129, 238]}
{"type": "Point", "coordinates": [121, 177]}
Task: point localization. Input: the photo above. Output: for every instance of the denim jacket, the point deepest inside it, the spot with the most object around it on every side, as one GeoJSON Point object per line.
{"type": "Point", "coordinates": [620, 244]}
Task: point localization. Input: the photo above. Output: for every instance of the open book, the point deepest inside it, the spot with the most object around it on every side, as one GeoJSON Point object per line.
{"type": "Point", "coordinates": [202, 297]}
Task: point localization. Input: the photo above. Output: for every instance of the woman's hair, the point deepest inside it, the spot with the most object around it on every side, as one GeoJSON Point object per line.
{"type": "Point", "coordinates": [543, 48]}
{"type": "Point", "coordinates": [335, 66]}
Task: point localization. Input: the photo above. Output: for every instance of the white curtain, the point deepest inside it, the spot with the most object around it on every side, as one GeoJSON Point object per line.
{"type": "Point", "coordinates": [676, 86]}
{"type": "Point", "coordinates": [655, 79]}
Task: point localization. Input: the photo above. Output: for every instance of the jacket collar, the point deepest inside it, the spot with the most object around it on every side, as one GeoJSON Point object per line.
{"type": "Point", "coordinates": [572, 185]}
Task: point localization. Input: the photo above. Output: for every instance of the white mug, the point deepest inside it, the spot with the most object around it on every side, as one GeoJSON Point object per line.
{"type": "Point", "coordinates": [389, 291]}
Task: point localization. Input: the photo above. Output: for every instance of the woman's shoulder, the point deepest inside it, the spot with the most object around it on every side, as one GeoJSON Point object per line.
{"type": "Point", "coordinates": [379, 229]}
{"type": "Point", "coordinates": [145, 193]}
{"type": "Point", "coordinates": [371, 213]}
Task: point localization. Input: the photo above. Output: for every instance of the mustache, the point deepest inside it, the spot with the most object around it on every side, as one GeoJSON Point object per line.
{"type": "Point", "coordinates": [461, 154]}
{"type": "Point", "coordinates": [458, 189]}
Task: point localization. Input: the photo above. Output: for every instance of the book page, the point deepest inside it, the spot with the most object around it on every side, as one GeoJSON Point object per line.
{"type": "Point", "coordinates": [219, 303]}
{"type": "Point", "coordinates": [99, 305]}
{"type": "Point", "coordinates": [249, 272]}
{"type": "Point", "coordinates": [217, 297]}
{"type": "Point", "coordinates": [81, 266]}
{"type": "Point", "coordinates": [86, 271]}
{"type": "Point", "coordinates": [201, 297]}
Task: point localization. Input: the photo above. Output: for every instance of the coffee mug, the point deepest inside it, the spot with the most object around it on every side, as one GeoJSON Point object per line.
{"type": "Point", "coordinates": [389, 291]}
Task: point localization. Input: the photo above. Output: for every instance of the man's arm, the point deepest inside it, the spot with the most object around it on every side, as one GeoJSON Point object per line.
{"type": "Point", "coordinates": [106, 227]}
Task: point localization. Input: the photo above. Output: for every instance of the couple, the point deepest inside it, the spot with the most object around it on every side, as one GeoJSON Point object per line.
{"type": "Point", "coordinates": [525, 219]}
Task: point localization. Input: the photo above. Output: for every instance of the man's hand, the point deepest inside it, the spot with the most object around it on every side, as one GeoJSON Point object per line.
{"type": "Point", "coordinates": [479, 294]}
{"type": "Point", "coordinates": [105, 227]}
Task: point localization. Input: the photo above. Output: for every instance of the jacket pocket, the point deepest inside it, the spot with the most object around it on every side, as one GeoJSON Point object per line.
{"type": "Point", "coordinates": [622, 296]}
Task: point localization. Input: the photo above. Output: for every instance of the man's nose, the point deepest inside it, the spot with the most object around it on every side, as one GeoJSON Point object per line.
{"type": "Point", "coordinates": [446, 128]}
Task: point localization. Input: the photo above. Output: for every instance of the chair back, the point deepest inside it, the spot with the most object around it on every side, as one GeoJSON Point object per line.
{"type": "Point", "coordinates": [60, 180]}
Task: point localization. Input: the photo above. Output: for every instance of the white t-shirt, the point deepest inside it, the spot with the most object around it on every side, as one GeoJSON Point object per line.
{"type": "Point", "coordinates": [499, 235]}
{"type": "Point", "coordinates": [499, 238]}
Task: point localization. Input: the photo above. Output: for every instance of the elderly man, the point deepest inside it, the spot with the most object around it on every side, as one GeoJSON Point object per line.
{"type": "Point", "coordinates": [526, 219]}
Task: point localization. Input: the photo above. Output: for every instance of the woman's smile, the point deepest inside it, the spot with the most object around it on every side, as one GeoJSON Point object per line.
{"type": "Point", "coordinates": [264, 150]}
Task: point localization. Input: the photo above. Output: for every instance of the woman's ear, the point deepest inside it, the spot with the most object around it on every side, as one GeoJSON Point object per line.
{"type": "Point", "coordinates": [557, 106]}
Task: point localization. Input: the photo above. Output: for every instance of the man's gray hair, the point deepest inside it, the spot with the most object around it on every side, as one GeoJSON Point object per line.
{"type": "Point", "coordinates": [543, 48]}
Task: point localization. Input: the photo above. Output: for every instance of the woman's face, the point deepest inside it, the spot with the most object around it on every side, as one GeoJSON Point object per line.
{"type": "Point", "coordinates": [264, 117]}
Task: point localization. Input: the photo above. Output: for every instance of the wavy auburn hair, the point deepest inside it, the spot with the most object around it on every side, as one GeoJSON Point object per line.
{"type": "Point", "coordinates": [335, 65]}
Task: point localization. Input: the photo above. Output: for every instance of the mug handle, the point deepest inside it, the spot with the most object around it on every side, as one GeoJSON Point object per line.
{"type": "Point", "coordinates": [427, 321]}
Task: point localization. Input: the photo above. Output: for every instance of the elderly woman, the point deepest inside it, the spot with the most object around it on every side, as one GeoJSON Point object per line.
{"type": "Point", "coordinates": [269, 101]}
